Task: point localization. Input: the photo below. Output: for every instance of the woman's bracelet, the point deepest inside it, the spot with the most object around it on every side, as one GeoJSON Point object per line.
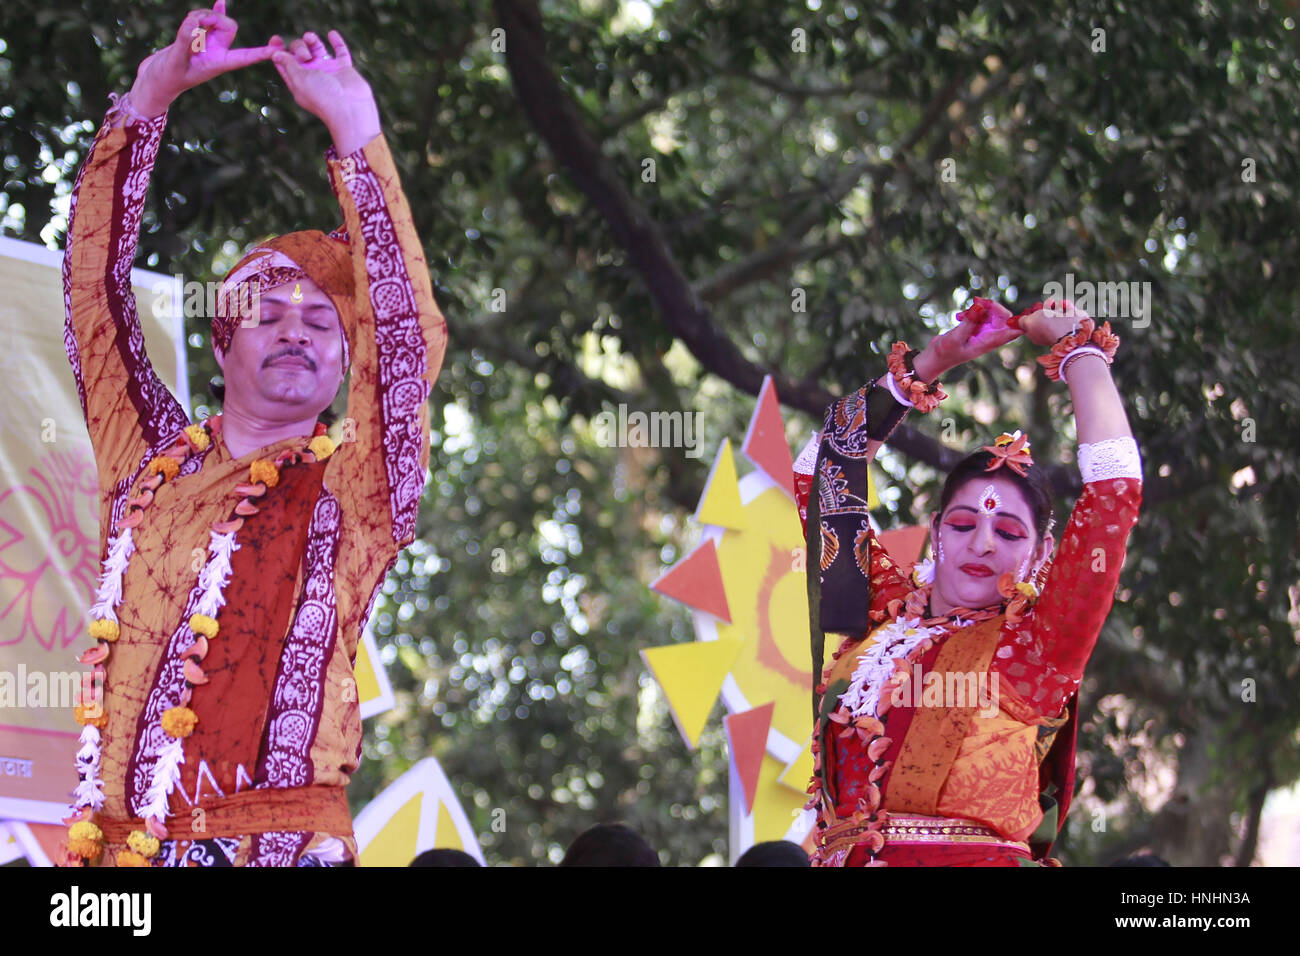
{"type": "Point", "coordinates": [1086, 333]}
{"type": "Point", "coordinates": [923, 396]}
{"type": "Point", "coordinates": [1080, 350]}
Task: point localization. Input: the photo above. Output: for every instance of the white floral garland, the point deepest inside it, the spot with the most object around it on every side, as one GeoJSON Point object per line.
{"type": "Point", "coordinates": [90, 788]}
{"type": "Point", "coordinates": [893, 641]}
{"type": "Point", "coordinates": [166, 773]}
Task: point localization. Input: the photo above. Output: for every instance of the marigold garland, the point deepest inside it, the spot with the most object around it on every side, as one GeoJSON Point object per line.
{"type": "Point", "coordinates": [199, 439]}
{"type": "Point", "coordinates": [85, 839]}
{"type": "Point", "coordinates": [104, 629]}
{"type": "Point", "coordinates": [321, 446]}
{"type": "Point", "coordinates": [264, 471]}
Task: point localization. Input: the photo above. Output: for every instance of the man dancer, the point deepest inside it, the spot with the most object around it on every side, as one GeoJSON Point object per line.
{"type": "Point", "coordinates": [243, 554]}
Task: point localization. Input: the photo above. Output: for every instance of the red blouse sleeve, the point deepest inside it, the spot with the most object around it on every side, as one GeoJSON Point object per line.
{"type": "Point", "coordinates": [1049, 648]}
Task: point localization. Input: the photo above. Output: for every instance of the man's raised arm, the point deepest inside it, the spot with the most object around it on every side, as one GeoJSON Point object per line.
{"type": "Point", "coordinates": [401, 336]}
{"type": "Point", "coordinates": [126, 406]}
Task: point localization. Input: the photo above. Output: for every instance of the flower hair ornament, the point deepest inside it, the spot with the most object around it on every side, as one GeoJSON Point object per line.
{"type": "Point", "coordinates": [1012, 451]}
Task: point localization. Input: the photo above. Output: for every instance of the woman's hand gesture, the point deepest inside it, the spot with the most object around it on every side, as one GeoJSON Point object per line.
{"type": "Point", "coordinates": [1056, 318]}
{"type": "Point", "coordinates": [977, 335]}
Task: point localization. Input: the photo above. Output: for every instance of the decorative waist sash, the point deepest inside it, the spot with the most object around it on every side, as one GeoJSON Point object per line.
{"type": "Point", "coordinates": [910, 828]}
{"type": "Point", "coordinates": [305, 809]}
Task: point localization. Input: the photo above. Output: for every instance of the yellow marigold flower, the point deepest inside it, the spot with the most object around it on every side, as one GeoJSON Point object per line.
{"type": "Point", "coordinates": [197, 436]}
{"type": "Point", "coordinates": [179, 721]}
{"type": "Point", "coordinates": [85, 830]}
{"type": "Point", "coordinates": [127, 858]}
{"type": "Point", "coordinates": [83, 718]}
{"type": "Point", "coordinates": [143, 844]}
{"type": "Point", "coordinates": [321, 446]}
{"type": "Point", "coordinates": [1027, 589]}
{"type": "Point", "coordinates": [104, 629]}
{"type": "Point", "coordinates": [202, 624]}
{"type": "Point", "coordinates": [264, 471]}
{"type": "Point", "coordinates": [165, 465]}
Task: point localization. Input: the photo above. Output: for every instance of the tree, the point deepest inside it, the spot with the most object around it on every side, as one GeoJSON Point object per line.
{"type": "Point", "coordinates": [630, 204]}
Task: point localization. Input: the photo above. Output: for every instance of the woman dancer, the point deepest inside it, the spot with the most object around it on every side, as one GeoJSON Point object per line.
{"type": "Point", "coordinates": [945, 732]}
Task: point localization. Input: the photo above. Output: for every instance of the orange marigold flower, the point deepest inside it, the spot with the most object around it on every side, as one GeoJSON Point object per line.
{"type": "Point", "coordinates": [179, 721]}
{"type": "Point", "coordinates": [166, 466]}
{"type": "Point", "coordinates": [265, 472]}
{"type": "Point", "coordinates": [100, 720]}
{"type": "Point", "coordinates": [128, 858]}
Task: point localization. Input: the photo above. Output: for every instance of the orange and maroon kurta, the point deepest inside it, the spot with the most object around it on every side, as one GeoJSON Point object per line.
{"type": "Point", "coordinates": [279, 730]}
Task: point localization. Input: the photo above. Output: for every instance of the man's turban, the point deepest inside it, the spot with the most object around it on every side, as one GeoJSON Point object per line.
{"type": "Point", "coordinates": [310, 254]}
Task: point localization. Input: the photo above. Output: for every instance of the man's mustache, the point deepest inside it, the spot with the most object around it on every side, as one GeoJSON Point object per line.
{"type": "Point", "coordinates": [298, 353]}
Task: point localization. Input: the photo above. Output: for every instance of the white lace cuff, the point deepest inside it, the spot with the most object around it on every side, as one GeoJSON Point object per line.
{"type": "Point", "coordinates": [1110, 458]}
{"type": "Point", "coordinates": [806, 463]}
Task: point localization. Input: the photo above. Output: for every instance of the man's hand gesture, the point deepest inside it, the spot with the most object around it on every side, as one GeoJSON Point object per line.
{"type": "Point", "coordinates": [331, 89]}
{"type": "Point", "coordinates": [203, 48]}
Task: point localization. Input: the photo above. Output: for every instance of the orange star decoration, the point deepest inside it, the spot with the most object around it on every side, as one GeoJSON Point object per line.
{"type": "Point", "coordinates": [1012, 451]}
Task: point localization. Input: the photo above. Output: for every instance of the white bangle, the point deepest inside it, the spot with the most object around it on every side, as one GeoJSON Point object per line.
{"type": "Point", "coordinates": [894, 390]}
{"type": "Point", "coordinates": [1079, 350]}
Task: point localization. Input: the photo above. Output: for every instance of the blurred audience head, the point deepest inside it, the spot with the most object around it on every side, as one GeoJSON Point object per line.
{"type": "Point", "coordinates": [444, 858]}
{"type": "Point", "coordinates": [774, 853]}
{"type": "Point", "coordinates": [610, 844]}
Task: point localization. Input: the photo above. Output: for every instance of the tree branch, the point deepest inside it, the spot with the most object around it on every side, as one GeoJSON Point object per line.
{"type": "Point", "coordinates": [558, 122]}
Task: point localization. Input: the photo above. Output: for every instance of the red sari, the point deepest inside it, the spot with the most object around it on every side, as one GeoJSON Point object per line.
{"type": "Point", "coordinates": [996, 785]}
